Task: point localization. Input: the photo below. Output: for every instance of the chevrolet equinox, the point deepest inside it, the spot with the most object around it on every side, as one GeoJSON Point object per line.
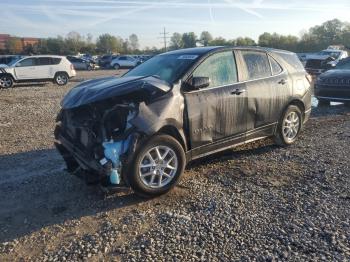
{"type": "Point", "coordinates": [140, 130]}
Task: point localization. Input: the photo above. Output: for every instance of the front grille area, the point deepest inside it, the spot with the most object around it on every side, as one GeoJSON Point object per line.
{"type": "Point", "coordinates": [314, 64]}
{"type": "Point", "coordinates": [337, 81]}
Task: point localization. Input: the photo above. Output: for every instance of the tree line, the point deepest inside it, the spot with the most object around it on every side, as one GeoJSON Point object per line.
{"type": "Point", "coordinates": [333, 32]}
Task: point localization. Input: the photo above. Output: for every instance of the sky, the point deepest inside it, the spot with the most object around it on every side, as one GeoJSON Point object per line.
{"type": "Point", "coordinates": [147, 18]}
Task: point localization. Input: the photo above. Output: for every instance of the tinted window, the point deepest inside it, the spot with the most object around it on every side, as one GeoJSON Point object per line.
{"type": "Point", "coordinates": [220, 68]}
{"type": "Point", "coordinates": [275, 66]}
{"type": "Point", "coordinates": [257, 64]}
{"type": "Point", "coordinates": [56, 61]}
{"type": "Point", "coordinates": [122, 58]}
{"type": "Point", "coordinates": [27, 62]}
{"type": "Point", "coordinates": [44, 61]}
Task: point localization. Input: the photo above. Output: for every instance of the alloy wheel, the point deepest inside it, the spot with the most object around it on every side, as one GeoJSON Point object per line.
{"type": "Point", "coordinates": [158, 167]}
{"type": "Point", "coordinates": [61, 79]}
{"type": "Point", "coordinates": [291, 126]}
{"type": "Point", "coordinates": [5, 82]}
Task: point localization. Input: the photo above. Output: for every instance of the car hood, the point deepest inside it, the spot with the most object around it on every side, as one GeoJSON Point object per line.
{"type": "Point", "coordinates": [341, 73]}
{"type": "Point", "coordinates": [96, 90]}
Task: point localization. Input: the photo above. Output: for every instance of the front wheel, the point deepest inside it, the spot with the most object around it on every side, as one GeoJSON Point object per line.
{"type": "Point", "coordinates": [6, 81]}
{"type": "Point", "coordinates": [61, 79]}
{"type": "Point", "coordinates": [157, 166]}
{"type": "Point", "coordinates": [116, 66]}
{"type": "Point", "coordinates": [289, 126]}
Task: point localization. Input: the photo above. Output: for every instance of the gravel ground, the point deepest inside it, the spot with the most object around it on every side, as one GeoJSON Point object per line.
{"type": "Point", "coordinates": [257, 202]}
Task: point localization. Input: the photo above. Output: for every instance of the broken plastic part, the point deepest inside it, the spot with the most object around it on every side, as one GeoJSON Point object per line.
{"type": "Point", "coordinates": [113, 151]}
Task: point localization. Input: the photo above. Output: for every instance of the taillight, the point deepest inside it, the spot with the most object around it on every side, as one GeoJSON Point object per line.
{"type": "Point", "coordinates": [71, 67]}
{"type": "Point", "coordinates": [309, 78]}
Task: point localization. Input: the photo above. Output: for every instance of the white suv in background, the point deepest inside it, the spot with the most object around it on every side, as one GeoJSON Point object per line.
{"type": "Point", "coordinates": [124, 62]}
{"type": "Point", "coordinates": [37, 69]}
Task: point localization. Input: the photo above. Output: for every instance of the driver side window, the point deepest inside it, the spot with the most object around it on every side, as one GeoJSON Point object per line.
{"type": "Point", "coordinates": [220, 68]}
{"type": "Point", "coordinates": [26, 62]}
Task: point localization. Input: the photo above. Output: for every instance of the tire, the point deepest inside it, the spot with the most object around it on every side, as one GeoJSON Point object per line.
{"type": "Point", "coordinates": [61, 79]}
{"type": "Point", "coordinates": [89, 68]}
{"type": "Point", "coordinates": [6, 81]}
{"type": "Point", "coordinates": [289, 126]}
{"type": "Point", "coordinates": [323, 102]}
{"type": "Point", "coordinates": [156, 177]}
{"type": "Point", "coordinates": [116, 66]}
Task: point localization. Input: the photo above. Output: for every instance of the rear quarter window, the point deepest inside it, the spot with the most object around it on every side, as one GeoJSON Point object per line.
{"type": "Point", "coordinates": [291, 61]}
{"type": "Point", "coordinates": [56, 61]}
{"type": "Point", "coordinates": [275, 66]}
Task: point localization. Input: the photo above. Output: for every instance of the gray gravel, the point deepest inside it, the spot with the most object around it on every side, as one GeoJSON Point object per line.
{"type": "Point", "coordinates": [253, 203]}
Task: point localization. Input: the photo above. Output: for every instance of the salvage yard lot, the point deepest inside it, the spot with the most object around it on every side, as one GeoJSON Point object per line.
{"type": "Point", "coordinates": [254, 202]}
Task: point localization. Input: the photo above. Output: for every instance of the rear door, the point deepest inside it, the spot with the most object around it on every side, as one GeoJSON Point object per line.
{"type": "Point", "coordinates": [217, 113]}
{"type": "Point", "coordinates": [267, 89]}
{"type": "Point", "coordinates": [44, 68]}
{"type": "Point", "coordinates": [26, 69]}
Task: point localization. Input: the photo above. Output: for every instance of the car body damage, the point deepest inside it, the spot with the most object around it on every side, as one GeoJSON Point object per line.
{"type": "Point", "coordinates": [141, 129]}
{"type": "Point", "coordinates": [102, 120]}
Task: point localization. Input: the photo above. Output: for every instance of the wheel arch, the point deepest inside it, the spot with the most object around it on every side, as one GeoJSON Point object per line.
{"type": "Point", "coordinates": [61, 72]}
{"type": "Point", "coordinates": [299, 103]}
{"type": "Point", "coordinates": [175, 133]}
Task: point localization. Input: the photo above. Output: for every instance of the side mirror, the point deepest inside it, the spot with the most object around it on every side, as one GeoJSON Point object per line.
{"type": "Point", "coordinates": [198, 82]}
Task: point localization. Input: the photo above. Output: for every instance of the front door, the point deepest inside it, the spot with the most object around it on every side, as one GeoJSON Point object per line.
{"type": "Point", "coordinates": [26, 69]}
{"type": "Point", "coordinates": [217, 113]}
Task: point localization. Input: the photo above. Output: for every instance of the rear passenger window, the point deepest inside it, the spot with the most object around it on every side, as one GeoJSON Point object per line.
{"type": "Point", "coordinates": [275, 66]}
{"type": "Point", "coordinates": [41, 61]}
{"type": "Point", "coordinates": [258, 65]}
{"type": "Point", "coordinates": [56, 61]}
{"type": "Point", "coordinates": [220, 68]}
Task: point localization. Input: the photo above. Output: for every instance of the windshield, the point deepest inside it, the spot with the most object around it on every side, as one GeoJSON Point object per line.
{"type": "Point", "coordinates": [167, 67]}
{"type": "Point", "coordinates": [343, 64]}
{"type": "Point", "coordinates": [14, 61]}
{"type": "Point", "coordinates": [330, 53]}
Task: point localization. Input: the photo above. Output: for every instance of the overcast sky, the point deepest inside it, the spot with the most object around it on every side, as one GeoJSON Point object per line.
{"type": "Point", "coordinates": [146, 18]}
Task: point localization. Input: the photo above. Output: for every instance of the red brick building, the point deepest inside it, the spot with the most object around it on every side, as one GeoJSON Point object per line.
{"type": "Point", "coordinates": [18, 43]}
{"type": "Point", "coordinates": [3, 40]}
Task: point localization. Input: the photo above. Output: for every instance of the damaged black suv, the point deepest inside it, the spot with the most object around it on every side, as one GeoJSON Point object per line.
{"type": "Point", "coordinates": [141, 129]}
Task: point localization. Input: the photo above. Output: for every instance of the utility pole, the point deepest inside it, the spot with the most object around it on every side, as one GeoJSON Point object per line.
{"type": "Point", "coordinates": [165, 38]}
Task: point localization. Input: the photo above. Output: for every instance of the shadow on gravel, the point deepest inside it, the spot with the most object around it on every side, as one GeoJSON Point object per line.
{"type": "Point", "coordinates": [256, 148]}
{"type": "Point", "coordinates": [36, 192]}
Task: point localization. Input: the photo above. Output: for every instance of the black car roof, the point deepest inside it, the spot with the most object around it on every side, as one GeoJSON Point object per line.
{"type": "Point", "coordinates": [209, 49]}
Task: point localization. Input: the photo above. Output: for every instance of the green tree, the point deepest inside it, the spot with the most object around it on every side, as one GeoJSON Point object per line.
{"type": "Point", "coordinates": [189, 40]}
{"type": "Point", "coordinates": [206, 38]}
{"type": "Point", "coordinates": [244, 41]}
{"type": "Point", "coordinates": [107, 43]}
{"type": "Point", "coordinates": [176, 41]}
{"type": "Point", "coordinates": [134, 42]}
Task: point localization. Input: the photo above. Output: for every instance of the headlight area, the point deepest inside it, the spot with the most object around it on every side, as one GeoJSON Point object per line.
{"type": "Point", "coordinates": [95, 142]}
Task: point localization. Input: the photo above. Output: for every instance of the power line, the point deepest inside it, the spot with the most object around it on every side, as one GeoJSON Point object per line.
{"type": "Point", "coordinates": [165, 37]}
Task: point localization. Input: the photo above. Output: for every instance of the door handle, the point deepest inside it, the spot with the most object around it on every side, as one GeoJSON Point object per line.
{"type": "Point", "coordinates": [282, 82]}
{"type": "Point", "coordinates": [238, 91]}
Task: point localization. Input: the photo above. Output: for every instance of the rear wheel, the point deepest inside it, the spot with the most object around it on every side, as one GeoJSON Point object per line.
{"type": "Point", "coordinates": [157, 166]}
{"type": "Point", "coordinates": [6, 81]}
{"type": "Point", "coordinates": [116, 66]}
{"type": "Point", "coordinates": [61, 79]}
{"type": "Point", "coordinates": [289, 126]}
